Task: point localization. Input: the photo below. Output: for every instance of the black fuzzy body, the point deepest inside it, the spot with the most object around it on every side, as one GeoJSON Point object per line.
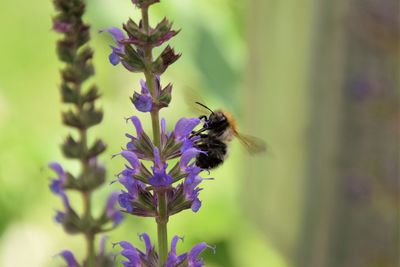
{"type": "Point", "coordinates": [212, 141]}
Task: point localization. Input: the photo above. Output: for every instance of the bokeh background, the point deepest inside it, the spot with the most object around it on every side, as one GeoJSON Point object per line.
{"type": "Point", "coordinates": [318, 80]}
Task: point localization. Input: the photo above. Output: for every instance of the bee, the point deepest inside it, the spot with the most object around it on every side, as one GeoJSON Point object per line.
{"type": "Point", "coordinates": [218, 130]}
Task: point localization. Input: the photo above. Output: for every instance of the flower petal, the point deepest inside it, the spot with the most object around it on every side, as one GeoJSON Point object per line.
{"type": "Point", "coordinates": [184, 127]}
{"type": "Point", "coordinates": [117, 34]}
{"type": "Point", "coordinates": [132, 159]}
{"type": "Point", "coordinates": [145, 237]}
{"type": "Point", "coordinates": [138, 125]}
{"type": "Point", "coordinates": [196, 204]}
{"type": "Point", "coordinates": [143, 103]}
{"type": "Point", "coordinates": [194, 253]}
{"type": "Point", "coordinates": [69, 258]}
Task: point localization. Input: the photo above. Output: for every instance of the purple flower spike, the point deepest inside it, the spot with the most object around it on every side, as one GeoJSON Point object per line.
{"type": "Point", "coordinates": [114, 214]}
{"type": "Point", "coordinates": [184, 127]}
{"type": "Point", "coordinates": [69, 258]}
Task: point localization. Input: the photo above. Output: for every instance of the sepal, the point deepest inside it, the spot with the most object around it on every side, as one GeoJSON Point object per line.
{"type": "Point", "coordinates": [72, 148]}
{"type": "Point", "coordinates": [69, 95]}
{"type": "Point", "coordinates": [66, 50]}
{"type": "Point", "coordinates": [70, 221]}
{"type": "Point", "coordinates": [164, 60]}
{"type": "Point", "coordinates": [165, 96]}
{"type": "Point", "coordinates": [88, 117]}
{"type": "Point", "coordinates": [96, 149]}
{"type": "Point", "coordinates": [132, 59]}
{"type": "Point", "coordinates": [92, 177]}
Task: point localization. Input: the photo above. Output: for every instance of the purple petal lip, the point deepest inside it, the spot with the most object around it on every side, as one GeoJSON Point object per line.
{"type": "Point", "coordinates": [57, 168]}
{"type": "Point", "coordinates": [143, 103]}
{"type": "Point", "coordinates": [117, 34]}
{"type": "Point", "coordinates": [114, 58]}
{"type": "Point", "coordinates": [196, 204]}
{"type": "Point", "coordinates": [114, 214]}
{"type": "Point", "coordinates": [194, 253]}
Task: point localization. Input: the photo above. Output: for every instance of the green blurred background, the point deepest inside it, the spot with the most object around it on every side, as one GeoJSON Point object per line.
{"type": "Point", "coordinates": [318, 80]}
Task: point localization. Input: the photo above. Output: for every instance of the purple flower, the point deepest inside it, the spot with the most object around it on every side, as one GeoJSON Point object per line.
{"type": "Point", "coordinates": [69, 258]}
{"type": "Point", "coordinates": [56, 187]}
{"type": "Point", "coordinates": [160, 176]}
{"type": "Point", "coordinates": [182, 131]}
{"type": "Point", "coordinates": [130, 253]}
{"type": "Point", "coordinates": [138, 126]}
{"type": "Point", "coordinates": [117, 35]}
{"type": "Point", "coordinates": [184, 128]}
{"type": "Point", "coordinates": [112, 213]}
{"type": "Point", "coordinates": [193, 261]}
{"type": "Point", "coordinates": [143, 102]}
{"type": "Point", "coordinates": [126, 199]}
{"type": "Point", "coordinates": [133, 161]}
{"type": "Point", "coordinates": [190, 258]}
{"type": "Point", "coordinates": [190, 189]}
{"type": "Point", "coordinates": [134, 256]}
{"type": "Point", "coordinates": [186, 157]}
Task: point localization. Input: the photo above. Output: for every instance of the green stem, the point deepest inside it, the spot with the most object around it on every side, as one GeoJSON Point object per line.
{"type": "Point", "coordinates": [87, 202]}
{"type": "Point", "coordinates": [162, 232]}
{"type": "Point", "coordinates": [162, 218]}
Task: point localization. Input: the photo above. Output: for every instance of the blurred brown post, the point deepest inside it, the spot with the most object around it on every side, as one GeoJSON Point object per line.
{"type": "Point", "coordinates": [352, 192]}
{"type": "Point", "coordinates": [349, 206]}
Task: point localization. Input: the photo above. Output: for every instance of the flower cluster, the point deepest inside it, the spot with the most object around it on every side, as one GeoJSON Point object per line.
{"type": "Point", "coordinates": [140, 181]}
{"type": "Point", "coordinates": [135, 257]}
{"type": "Point", "coordinates": [160, 178]}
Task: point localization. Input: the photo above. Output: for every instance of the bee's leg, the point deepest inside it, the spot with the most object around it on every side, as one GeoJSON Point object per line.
{"type": "Point", "coordinates": [198, 133]}
{"type": "Point", "coordinates": [203, 117]}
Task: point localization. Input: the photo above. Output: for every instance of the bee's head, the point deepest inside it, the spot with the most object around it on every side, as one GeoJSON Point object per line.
{"type": "Point", "coordinates": [217, 119]}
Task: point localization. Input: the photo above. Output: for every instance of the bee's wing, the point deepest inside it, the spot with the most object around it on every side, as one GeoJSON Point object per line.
{"type": "Point", "coordinates": [191, 97]}
{"type": "Point", "coordinates": [252, 144]}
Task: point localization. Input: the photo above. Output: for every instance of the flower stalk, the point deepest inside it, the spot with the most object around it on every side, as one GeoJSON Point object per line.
{"type": "Point", "coordinates": [162, 219]}
{"type": "Point", "coordinates": [164, 189]}
{"type": "Point", "coordinates": [73, 50]}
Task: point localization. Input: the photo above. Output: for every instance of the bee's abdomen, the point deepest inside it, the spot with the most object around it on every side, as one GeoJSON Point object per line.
{"type": "Point", "coordinates": [215, 153]}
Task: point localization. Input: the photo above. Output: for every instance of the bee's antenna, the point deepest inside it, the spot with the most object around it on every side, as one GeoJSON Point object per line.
{"type": "Point", "coordinates": [204, 106]}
